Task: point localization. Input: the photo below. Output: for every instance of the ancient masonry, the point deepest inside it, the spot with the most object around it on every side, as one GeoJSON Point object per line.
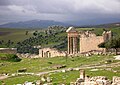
{"type": "Point", "coordinates": [96, 80]}
{"type": "Point", "coordinates": [85, 41]}
{"type": "Point", "coordinates": [8, 50]}
{"type": "Point", "coordinates": [50, 52]}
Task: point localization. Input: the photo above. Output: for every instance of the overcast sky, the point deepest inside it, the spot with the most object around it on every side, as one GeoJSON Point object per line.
{"type": "Point", "coordinates": [60, 10]}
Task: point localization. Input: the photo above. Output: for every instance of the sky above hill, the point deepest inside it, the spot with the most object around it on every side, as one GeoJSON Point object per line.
{"type": "Point", "coordinates": [79, 11]}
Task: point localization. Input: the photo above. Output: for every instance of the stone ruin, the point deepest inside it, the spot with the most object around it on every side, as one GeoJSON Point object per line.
{"type": "Point", "coordinates": [116, 80]}
{"type": "Point", "coordinates": [8, 50]}
{"type": "Point", "coordinates": [79, 43]}
{"type": "Point", "coordinates": [97, 80]}
{"type": "Point", "coordinates": [44, 53]}
{"type": "Point", "coordinates": [51, 52]}
{"type": "Point", "coordinates": [85, 41]}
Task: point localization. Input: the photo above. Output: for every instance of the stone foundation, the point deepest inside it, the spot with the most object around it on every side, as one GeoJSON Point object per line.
{"type": "Point", "coordinates": [97, 80]}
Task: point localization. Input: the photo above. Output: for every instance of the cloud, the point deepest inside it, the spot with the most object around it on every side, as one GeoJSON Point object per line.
{"type": "Point", "coordinates": [59, 10]}
{"type": "Point", "coordinates": [4, 2]}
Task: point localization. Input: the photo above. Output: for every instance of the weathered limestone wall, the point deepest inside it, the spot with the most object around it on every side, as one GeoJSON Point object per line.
{"type": "Point", "coordinates": [90, 43]}
{"type": "Point", "coordinates": [8, 50]}
{"type": "Point", "coordinates": [50, 52]}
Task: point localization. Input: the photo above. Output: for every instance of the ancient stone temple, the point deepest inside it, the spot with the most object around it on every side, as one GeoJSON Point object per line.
{"type": "Point", "coordinates": [85, 41]}
{"type": "Point", "coordinates": [72, 40]}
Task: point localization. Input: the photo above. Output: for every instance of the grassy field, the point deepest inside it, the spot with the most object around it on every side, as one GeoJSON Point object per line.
{"type": "Point", "coordinates": [43, 64]}
{"type": "Point", "coordinates": [60, 77]}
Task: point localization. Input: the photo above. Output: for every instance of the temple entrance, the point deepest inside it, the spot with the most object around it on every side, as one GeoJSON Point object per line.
{"type": "Point", "coordinates": [72, 41]}
{"type": "Point", "coordinates": [47, 54]}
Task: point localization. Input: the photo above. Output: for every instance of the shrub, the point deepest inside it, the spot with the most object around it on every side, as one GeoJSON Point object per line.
{"type": "Point", "coordinates": [49, 62]}
{"type": "Point", "coordinates": [9, 57]}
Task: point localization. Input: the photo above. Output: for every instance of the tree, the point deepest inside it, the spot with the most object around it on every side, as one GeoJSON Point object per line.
{"type": "Point", "coordinates": [35, 33]}
{"type": "Point", "coordinates": [9, 43]}
{"type": "Point", "coordinates": [112, 43]}
{"type": "Point", "coordinates": [26, 33]}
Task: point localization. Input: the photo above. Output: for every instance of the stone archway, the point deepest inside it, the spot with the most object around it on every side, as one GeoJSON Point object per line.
{"type": "Point", "coordinates": [48, 54]}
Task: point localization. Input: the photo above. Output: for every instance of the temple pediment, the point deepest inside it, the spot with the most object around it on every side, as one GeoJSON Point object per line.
{"type": "Point", "coordinates": [71, 29]}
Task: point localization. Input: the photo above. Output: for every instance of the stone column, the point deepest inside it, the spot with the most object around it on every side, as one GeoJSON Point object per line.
{"type": "Point", "coordinates": [82, 74]}
{"type": "Point", "coordinates": [68, 45]}
{"type": "Point", "coordinates": [42, 53]}
{"type": "Point", "coordinates": [71, 45]}
{"type": "Point", "coordinates": [80, 45]}
{"type": "Point", "coordinates": [76, 45]}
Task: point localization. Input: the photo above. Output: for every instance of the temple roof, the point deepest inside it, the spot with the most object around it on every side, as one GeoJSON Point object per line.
{"type": "Point", "coordinates": [71, 29]}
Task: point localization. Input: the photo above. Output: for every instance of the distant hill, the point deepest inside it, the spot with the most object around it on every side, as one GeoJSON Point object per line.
{"type": "Point", "coordinates": [109, 25]}
{"type": "Point", "coordinates": [45, 23]}
{"type": "Point", "coordinates": [33, 24]}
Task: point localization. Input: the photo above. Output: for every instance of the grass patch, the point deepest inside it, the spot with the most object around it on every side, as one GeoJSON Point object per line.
{"type": "Point", "coordinates": [108, 74]}
{"type": "Point", "coordinates": [66, 78]}
{"type": "Point", "coordinates": [20, 79]}
{"type": "Point", "coordinates": [73, 75]}
{"type": "Point", "coordinates": [117, 68]}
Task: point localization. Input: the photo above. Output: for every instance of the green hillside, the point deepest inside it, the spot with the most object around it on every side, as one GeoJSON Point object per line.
{"type": "Point", "coordinates": [14, 35]}
{"type": "Point", "coordinates": [18, 35]}
{"type": "Point", "coordinates": [53, 37]}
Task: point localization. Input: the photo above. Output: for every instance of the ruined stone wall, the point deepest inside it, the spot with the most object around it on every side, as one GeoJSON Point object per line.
{"type": "Point", "coordinates": [95, 80]}
{"type": "Point", "coordinates": [8, 50]}
{"type": "Point", "coordinates": [50, 52]}
{"type": "Point", "coordinates": [90, 43]}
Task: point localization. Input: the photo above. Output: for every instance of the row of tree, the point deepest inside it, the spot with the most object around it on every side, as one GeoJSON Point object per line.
{"type": "Point", "coordinates": [8, 43]}
{"type": "Point", "coordinates": [51, 38]}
